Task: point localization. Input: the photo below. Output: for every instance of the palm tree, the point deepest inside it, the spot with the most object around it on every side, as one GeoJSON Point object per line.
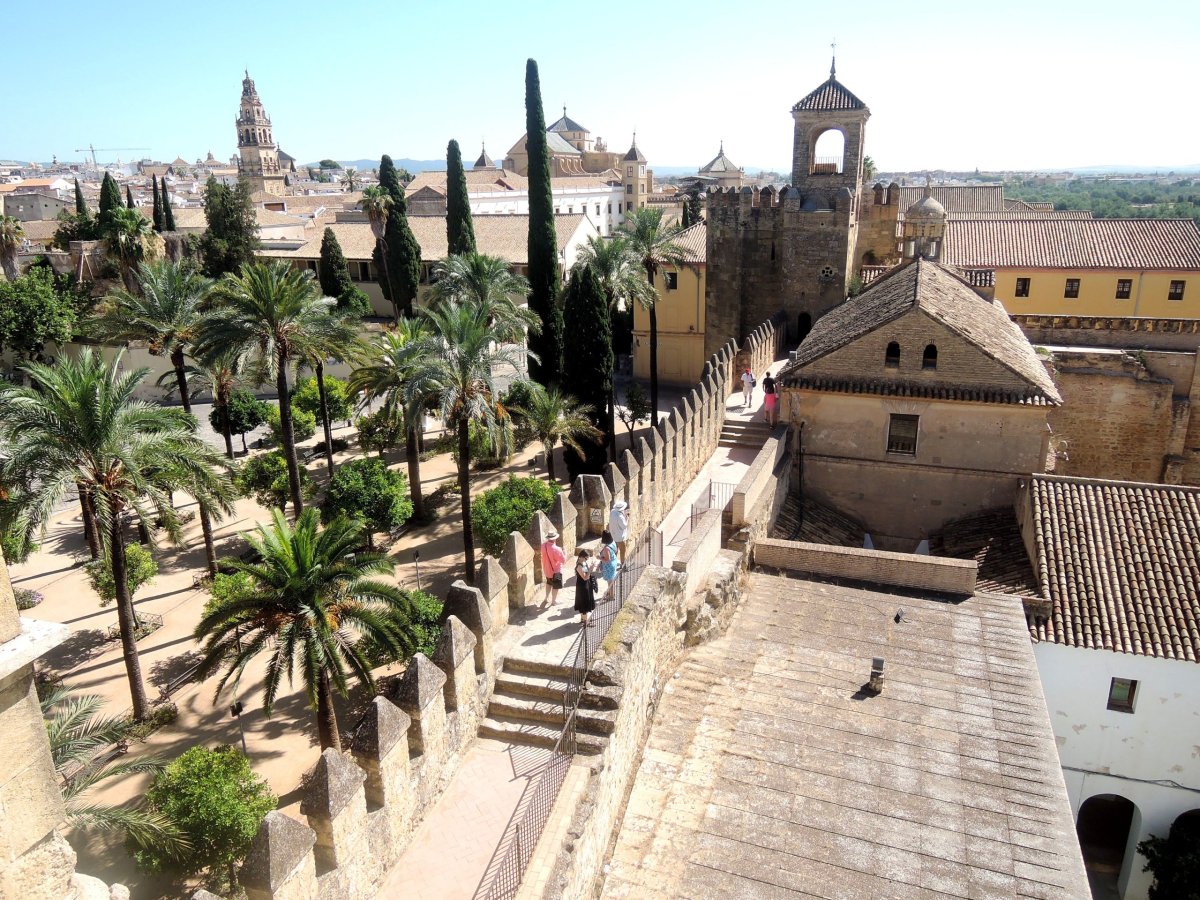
{"type": "Point", "coordinates": [624, 283]}
{"type": "Point", "coordinates": [167, 313]}
{"type": "Point", "coordinates": [350, 180]}
{"type": "Point", "coordinates": [219, 376]}
{"type": "Point", "coordinates": [128, 234]}
{"type": "Point", "coordinates": [653, 244]}
{"type": "Point", "coordinates": [267, 312]}
{"type": "Point", "coordinates": [458, 377]}
{"type": "Point", "coordinates": [334, 337]}
{"type": "Point", "coordinates": [76, 736]}
{"type": "Point", "coordinates": [78, 425]}
{"type": "Point", "coordinates": [377, 204]}
{"type": "Point", "coordinates": [387, 368]}
{"type": "Point", "coordinates": [306, 602]}
{"type": "Point", "coordinates": [557, 417]}
{"type": "Point", "coordinates": [11, 236]}
{"type": "Point", "coordinates": [490, 283]}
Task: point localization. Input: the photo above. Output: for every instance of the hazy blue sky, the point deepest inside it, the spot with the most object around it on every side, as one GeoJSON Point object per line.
{"type": "Point", "coordinates": [962, 84]}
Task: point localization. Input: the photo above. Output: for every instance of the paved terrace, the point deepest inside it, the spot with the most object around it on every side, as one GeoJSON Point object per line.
{"type": "Point", "coordinates": [770, 773]}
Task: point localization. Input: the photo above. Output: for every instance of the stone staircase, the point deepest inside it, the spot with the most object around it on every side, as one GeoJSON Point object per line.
{"type": "Point", "coordinates": [526, 708]}
{"type": "Point", "coordinates": [739, 433]}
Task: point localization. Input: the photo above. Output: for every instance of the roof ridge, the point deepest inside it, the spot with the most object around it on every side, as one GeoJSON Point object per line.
{"type": "Point", "coordinates": [1113, 482]}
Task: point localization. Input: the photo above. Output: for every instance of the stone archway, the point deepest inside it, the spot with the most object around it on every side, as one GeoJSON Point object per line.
{"type": "Point", "coordinates": [1103, 827]}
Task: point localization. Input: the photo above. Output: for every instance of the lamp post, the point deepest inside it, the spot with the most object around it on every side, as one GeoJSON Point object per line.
{"type": "Point", "coordinates": [235, 710]}
{"type": "Point", "coordinates": [417, 563]}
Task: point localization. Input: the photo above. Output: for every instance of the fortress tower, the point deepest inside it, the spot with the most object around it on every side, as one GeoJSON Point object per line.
{"type": "Point", "coordinates": [258, 154]}
{"type": "Point", "coordinates": [792, 249]}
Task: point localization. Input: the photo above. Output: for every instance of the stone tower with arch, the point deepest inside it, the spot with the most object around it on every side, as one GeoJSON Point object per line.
{"type": "Point", "coordinates": [258, 154]}
{"type": "Point", "coordinates": [792, 248]}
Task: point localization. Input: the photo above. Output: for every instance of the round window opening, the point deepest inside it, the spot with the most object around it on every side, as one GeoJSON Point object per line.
{"type": "Point", "coordinates": [827, 273]}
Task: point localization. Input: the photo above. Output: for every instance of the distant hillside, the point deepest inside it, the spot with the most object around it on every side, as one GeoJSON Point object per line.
{"type": "Point", "coordinates": [366, 165]}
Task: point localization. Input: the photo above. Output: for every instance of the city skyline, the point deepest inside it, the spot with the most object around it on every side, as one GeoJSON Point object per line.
{"type": "Point", "coordinates": [953, 89]}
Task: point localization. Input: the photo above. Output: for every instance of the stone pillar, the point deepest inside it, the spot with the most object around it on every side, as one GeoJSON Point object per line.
{"type": "Point", "coordinates": [280, 863]}
{"type": "Point", "coordinates": [670, 460]}
{"type": "Point", "coordinates": [517, 561]}
{"type": "Point", "coordinates": [539, 529]}
{"type": "Point", "coordinates": [592, 503]}
{"type": "Point", "coordinates": [381, 750]}
{"type": "Point", "coordinates": [493, 583]}
{"type": "Point", "coordinates": [615, 482]}
{"type": "Point", "coordinates": [633, 476]}
{"type": "Point", "coordinates": [455, 655]}
{"type": "Point", "coordinates": [419, 694]}
{"type": "Point", "coordinates": [469, 605]}
{"type": "Point", "coordinates": [336, 809]}
{"type": "Point", "coordinates": [565, 518]}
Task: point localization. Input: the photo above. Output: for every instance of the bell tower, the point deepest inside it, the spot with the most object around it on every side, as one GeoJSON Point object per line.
{"type": "Point", "coordinates": [258, 154]}
{"type": "Point", "coordinates": [828, 150]}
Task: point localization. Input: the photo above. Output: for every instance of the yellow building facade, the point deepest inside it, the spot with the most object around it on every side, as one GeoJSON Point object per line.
{"type": "Point", "coordinates": [1126, 268]}
{"type": "Point", "coordinates": [1121, 293]}
{"type": "Point", "coordinates": [681, 317]}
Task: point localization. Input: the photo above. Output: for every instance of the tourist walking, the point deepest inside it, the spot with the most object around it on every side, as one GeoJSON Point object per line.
{"type": "Point", "coordinates": [585, 585]}
{"type": "Point", "coordinates": [609, 561]}
{"type": "Point", "coordinates": [553, 560]}
{"type": "Point", "coordinates": [747, 388]}
{"type": "Point", "coordinates": [770, 399]}
{"type": "Point", "coordinates": [618, 524]}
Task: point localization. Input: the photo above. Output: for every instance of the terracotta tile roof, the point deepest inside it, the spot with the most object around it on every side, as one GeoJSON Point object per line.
{"type": "Point", "coordinates": [503, 236]}
{"type": "Point", "coordinates": [957, 197]}
{"type": "Point", "coordinates": [477, 179]}
{"type": "Point", "coordinates": [694, 241]}
{"type": "Point", "coordinates": [566, 123]}
{"type": "Point", "coordinates": [1120, 564]}
{"type": "Point", "coordinates": [40, 232]}
{"type": "Point", "coordinates": [1012, 215]}
{"type": "Point", "coordinates": [993, 540]}
{"type": "Point", "coordinates": [721, 163]}
{"type": "Point", "coordinates": [1053, 243]}
{"type": "Point", "coordinates": [946, 299]}
{"type": "Point", "coordinates": [829, 96]}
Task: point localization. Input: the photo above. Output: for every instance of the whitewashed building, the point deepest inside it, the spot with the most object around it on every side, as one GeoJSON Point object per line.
{"type": "Point", "coordinates": [1117, 643]}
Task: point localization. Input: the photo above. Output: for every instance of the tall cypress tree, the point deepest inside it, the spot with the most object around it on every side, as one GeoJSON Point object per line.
{"type": "Point", "coordinates": [588, 368]}
{"type": "Point", "coordinates": [334, 272]}
{"type": "Point", "coordinates": [544, 276]}
{"type": "Point", "coordinates": [158, 210]}
{"type": "Point", "coordinates": [110, 198]}
{"type": "Point", "coordinates": [231, 237]}
{"type": "Point", "coordinates": [460, 232]}
{"type": "Point", "coordinates": [81, 209]}
{"type": "Point", "coordinates": [168, 216]}
{"type": "Point", "coordinates": [128, 197]}
{"type": "Point", "coordinates": [404, 253]}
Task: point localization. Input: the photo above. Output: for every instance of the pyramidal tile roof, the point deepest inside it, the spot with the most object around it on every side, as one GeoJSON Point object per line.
{"type": "Point", "coordinates": [566, 123]}
{"type": "Point", "coordinates": [945, 298]}
{"type": "Point", "coordinates": [830, 96]}
{"type": "Point", "coordinates": [721, 163]}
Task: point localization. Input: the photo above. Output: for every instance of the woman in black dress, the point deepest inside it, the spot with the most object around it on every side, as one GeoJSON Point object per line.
{"type": "Point", "coordinates": [585, 586]}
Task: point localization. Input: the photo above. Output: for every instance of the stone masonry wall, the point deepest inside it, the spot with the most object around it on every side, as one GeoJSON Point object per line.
{"type": "Point", "coordinates": [1181, 335]}
{"type": "Point", "coordinates": [950, 576]}
{"type": "Point", "coordinates": [1121, 421]}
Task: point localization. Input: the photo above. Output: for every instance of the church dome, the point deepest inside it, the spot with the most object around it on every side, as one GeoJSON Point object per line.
{"type": "Point", "coordinates": [926, 209]}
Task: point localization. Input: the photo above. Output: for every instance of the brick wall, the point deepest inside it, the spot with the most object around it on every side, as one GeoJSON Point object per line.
{"type": "Point", "coordinates": [949, 576]}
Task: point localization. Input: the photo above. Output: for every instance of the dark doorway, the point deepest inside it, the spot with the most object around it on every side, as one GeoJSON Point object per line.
{"type": "Point", "coordinates": [803, 327]}
{"type": "Point", "coordinates": [1103, 828]}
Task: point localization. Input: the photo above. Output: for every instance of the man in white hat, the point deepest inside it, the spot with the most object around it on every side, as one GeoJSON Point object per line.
{"type": "Point", "coordinates": [553, 560]}
{"type": "Point", "coordinates": [618, 524]}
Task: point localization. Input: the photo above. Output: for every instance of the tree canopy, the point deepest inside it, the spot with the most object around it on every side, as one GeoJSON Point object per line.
{"type": "Point", "coordinates": [35, 310]}
{"type": "Point", "coordinates": [543, 241]}
{"type": "Point", "coordinates": [231, 238]}
{"type": "Point", "coordinates": [460, 232]}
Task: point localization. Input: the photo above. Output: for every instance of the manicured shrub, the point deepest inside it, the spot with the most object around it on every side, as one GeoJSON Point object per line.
{"type": "Point", "coordinates": [307, 397]}
{"type": "Point", "coordinates": [140, 569]}
{"type": "Point", "coordinates": [368, 490]}
{"type": "Point", "coordinates": [304, 424]}
{"type": "Point", "coordinates": [509, 507]}
{"type": "Point", "coordinates": [265, 478]}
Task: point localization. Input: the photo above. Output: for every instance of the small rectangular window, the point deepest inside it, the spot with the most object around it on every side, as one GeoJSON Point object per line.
{"type": "Point", "coordinates": [1071, 291]}
{"type": "Point", "coordinates": [629, 188]}
{"type": "Point", "coordinates": [1175, 292]}
{"type": "Point", "coordinates": [902, 434]}
{"type": "Point", "coordinates": [1022, 287]}
{"type": "Point", "coordinates": [1124, 288]}
{"type": "Point", "coordinates": [672, 279]}
{"type": "Point", "coordinates": [1121, 694]}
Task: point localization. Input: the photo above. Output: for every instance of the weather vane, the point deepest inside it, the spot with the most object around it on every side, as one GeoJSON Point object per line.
{"type": "Point", "coordinates": [833, 62]}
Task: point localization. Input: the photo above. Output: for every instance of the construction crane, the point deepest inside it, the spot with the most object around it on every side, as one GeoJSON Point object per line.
{"type": "Point", "coordinates": [93, 150]}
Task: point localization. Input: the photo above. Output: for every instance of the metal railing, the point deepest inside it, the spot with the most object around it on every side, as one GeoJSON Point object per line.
{"type": "Point", "coordinates": [502, 879]}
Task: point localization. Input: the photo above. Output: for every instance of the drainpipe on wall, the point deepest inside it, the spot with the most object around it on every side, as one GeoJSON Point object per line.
{"type": "Point", "coordinates": [1137, 298]}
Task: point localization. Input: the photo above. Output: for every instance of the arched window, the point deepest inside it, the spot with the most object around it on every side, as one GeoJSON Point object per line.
{"type": "Point", "coordinates": [892, 359]}
{"type": "Point", "coordinates": [929, 360]}
{"type": "Point", "coordinates": [828, 153]}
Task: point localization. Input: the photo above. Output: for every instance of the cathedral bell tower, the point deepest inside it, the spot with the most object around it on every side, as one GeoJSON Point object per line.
{"type": "Point", "coordinates": [258, 154]}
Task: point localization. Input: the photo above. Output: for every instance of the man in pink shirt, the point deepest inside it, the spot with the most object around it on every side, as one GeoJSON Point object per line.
{"type": "Point", "coordinates": [553, 560]}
